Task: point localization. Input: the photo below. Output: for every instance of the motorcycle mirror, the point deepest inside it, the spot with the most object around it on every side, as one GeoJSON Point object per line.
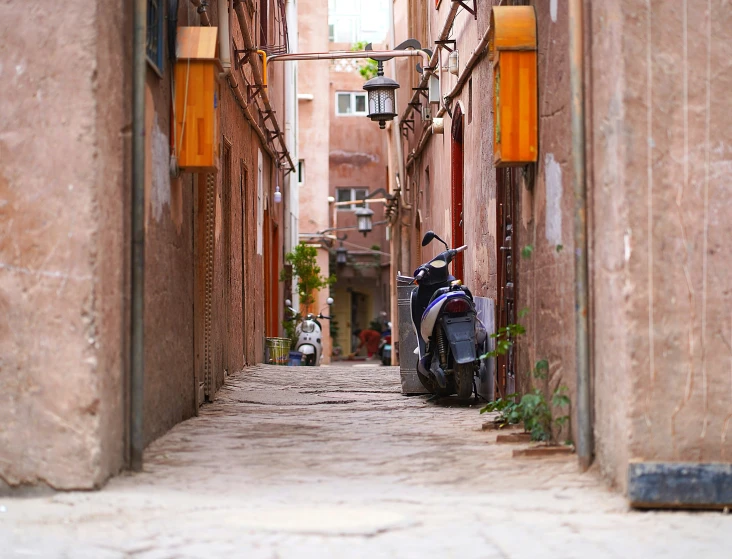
{"type": "Point", "coordinates": [329, 300]}
{"type": "Point", "coordinates": [288, 303]}
{"type": "Point", "coordinates": [429, 236]}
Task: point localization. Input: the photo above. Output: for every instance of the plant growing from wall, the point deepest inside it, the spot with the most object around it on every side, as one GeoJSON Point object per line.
{"type": "Point", "coordinates": [540, 418]}
{"type": "Point", "coordinates": [304, 261]}
{"type": "Point", "coordinates": [369, 68]}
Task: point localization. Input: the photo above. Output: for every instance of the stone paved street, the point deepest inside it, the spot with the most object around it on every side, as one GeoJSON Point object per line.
{"type": "Point", "coordinates": [335, 462]}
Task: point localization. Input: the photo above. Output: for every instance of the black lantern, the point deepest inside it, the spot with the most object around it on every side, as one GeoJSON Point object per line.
{"type": "Point", "coordinates": [382, 100]}
{"type": "Point", "coordinates": [341, 255]}
{"type": "Point", "coordinates": [364, 215]}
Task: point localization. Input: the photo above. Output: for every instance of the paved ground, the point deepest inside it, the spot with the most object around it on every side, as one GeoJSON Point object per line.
{"type": "Point", "coordinates": [335, 462]}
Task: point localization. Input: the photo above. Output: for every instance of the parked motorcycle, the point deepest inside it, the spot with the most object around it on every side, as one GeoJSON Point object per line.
{"type": "Point", "coordinates": [309, 334]}
{"type": "Point", "coordinates": [385, 346]}
{"type": "Point", "coordinates": [448, 332]}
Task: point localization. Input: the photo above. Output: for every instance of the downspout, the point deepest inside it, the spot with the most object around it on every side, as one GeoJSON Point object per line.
{"type": "Point", "coordinates": [291, 127]}
{"type": "Point", "coordinates": [137, 318]}
{"type": "Point", "coordinates": [224, 36]}
{"type": "Point", "coordinates": [585, 443]}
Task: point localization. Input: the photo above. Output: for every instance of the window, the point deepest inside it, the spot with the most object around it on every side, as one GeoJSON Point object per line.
{"type": "Point", "coordinates": [351, 103]}
{"type": "Point", "coordinates": [350, 195]}
{"type": "Point", "coordinates": [155, 47]}
{"type": "Point", "coordinates": [301, 171]}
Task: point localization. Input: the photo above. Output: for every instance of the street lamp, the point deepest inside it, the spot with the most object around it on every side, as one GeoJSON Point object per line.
{"type": "Point", "coordinates": [363, 216]}
{"type": "Point", "coordinates": [382, 99]}
{"type": "Point", "coordinates": [341, 255]}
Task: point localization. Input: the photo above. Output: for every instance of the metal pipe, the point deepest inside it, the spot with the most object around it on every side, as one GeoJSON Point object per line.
{"type": "Point", "coordinates": [449, 20]}
{"type": "Point", "coordinates": [137, 318]}
{"type": "Point", "coordinates": [224, 36]}
{"type": "Point", "coordinates": [202, 8]}
{"type": "Point", "coordinates": [585, 441]}
{"type": "Point", "coordinates": [478, 53]}
{"type": "Point", "coordinates": [341, 54]}
{"type": "Point", "coordinates": [257, 74]}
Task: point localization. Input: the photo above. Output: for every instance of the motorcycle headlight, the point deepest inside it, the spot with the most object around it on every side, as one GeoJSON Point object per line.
{"type": "Point", "coordinates": [308, 327]}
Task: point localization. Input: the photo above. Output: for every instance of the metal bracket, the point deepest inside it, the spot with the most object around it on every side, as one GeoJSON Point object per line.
{"type": "Point", "coordinates": [272, 134]}
{"type": "Point", "coordinates": [447, 42]}
{"type": "Point", "coordinates": [268, 115]}
{"type": "Point", "coordinates": [252, 91]}
{"type": "Point", "coordinates": [416, 104]}
{"type": "Point", "coordinates": [422, 91]}
{"type": "Point", "coordinates": [467, 8]}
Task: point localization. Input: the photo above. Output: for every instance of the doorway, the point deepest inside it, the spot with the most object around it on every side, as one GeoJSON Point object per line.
{"type": "Point", "coordinates": [506, 213]}
{"type": "Point", "coordinates": [457, 188]}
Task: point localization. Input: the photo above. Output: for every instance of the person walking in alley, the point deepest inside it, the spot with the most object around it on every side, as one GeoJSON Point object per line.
{"type": "Point", "coordinates": [368, 338]}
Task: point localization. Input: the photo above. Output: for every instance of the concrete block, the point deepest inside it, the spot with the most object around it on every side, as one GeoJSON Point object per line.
{"type": "Point", "coordinates": [679, 485]}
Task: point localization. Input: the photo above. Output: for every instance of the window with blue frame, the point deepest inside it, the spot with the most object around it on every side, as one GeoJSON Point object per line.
{"type": "Point", "coordinates": [155, 45]}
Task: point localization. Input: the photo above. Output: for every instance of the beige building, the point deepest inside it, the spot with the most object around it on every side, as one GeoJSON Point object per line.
{"type": "Point", "coordinates": [657, 160]}
{"type": "Point", "coordinates": [343, 160]}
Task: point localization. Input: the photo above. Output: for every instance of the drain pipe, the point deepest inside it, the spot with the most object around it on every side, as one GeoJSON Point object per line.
{"type": "Point", "coordinates": [137, 319]}
{"type": "Point", "coordinates": [585, 441]}
{"type": "Point", "coordinates": [224, 36]}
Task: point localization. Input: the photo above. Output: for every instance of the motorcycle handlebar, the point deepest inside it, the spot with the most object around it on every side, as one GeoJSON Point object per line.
{"type": "Point", "coordinates": [461, 249]}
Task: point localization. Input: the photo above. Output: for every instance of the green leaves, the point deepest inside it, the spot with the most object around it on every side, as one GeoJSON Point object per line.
{"type": "Point", "coordinates": [368, 68]}
{"type": "Point", "coordinates": [527, 251]}
{"type": "Point", "coordinates": [304, 261]}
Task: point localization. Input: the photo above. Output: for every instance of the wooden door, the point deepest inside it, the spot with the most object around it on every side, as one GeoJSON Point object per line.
{"type": "Point", "coordinates": [506, 308]}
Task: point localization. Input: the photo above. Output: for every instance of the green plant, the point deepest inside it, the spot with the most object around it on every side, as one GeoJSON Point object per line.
{"type": "Point", "coordinates": [527, 251]}
{"type": "Point", "coordinates": [509, 412]}
{"type": "Point", "coordinates": [304, 261]}
{"type": "Point", "coordinates": [289, 326]}
{"type": "Point", "coordinates": [369, 68]}
{"type": "Point", "coordinates": [538, 416]}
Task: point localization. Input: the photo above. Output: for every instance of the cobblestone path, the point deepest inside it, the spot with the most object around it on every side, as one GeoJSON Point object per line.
{"type": "Point", "coordinates": [335, 462]}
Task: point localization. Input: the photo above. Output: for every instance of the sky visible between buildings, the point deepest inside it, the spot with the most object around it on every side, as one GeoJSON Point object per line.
{"type": "Point", "coordinates": [351, 21]}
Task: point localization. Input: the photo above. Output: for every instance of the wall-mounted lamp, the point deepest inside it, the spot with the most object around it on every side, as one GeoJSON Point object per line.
{"type": "Point", "coordinates": [364, 217]}
{"type": "Point", "coordinates": [341, 255]}
{"type": "Point", "coordinates": [382, 99]}
{"type": "Point", "coordinates": [277, 195]}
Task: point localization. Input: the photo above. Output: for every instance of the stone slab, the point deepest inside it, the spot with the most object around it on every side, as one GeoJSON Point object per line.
{"type": "Point", "coordinates": [680, 485]}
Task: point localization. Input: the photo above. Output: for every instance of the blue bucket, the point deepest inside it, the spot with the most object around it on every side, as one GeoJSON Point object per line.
{"type": "Point", "coordinates": [295, 358]}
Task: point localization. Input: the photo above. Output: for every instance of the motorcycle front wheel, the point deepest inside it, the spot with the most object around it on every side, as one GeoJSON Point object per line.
{"type": "Point", "coordinates": [464, 379]}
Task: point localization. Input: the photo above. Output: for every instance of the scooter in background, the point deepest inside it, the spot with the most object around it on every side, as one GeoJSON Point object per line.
{"type": "Point", "coordinates": [385, 346]}
{"type": "Point", "coordinates": [309, 334]}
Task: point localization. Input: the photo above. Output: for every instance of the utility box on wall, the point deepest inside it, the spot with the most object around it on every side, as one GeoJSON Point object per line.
{"type": "Point", "coordinates": [196, 99]}
{"type": "Point", "coordinates": [512, 47]}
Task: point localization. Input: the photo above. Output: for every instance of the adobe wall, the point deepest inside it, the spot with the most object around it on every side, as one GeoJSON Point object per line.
{"type": "Point", "coordinates": [545, 211]}
{"type": "Point", "coordinates": [663, 136]}
{"type": "Point", "coordinates": [314, 134]}
{"type": "Point", "coordinates": [62, 247]}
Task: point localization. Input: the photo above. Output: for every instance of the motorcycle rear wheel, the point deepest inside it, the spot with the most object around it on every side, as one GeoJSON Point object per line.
{"type": "Point", "coordinates": [463, 379]}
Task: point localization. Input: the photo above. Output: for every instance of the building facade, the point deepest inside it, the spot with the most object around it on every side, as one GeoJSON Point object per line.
{"type": "Point", "coordinates": [342, 159]}
{"type": "Point", "coordinates": [214, 235]}
{"type": "Point", "coordinates": [656, 133]}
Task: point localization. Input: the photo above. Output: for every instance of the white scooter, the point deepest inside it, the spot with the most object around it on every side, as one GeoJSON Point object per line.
{"type": "Point", "coordinates": [309, 335]}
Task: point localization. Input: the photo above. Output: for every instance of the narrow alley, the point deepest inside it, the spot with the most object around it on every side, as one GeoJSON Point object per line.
{"type": "Point", "coordinates": [335, 462]}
